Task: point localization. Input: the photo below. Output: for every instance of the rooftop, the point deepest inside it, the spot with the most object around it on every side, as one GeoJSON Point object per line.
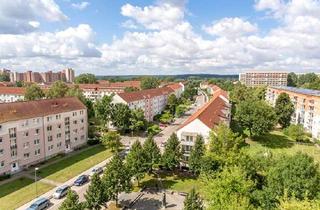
{"type": "Point", "coordinates": [299, 90]}
{"type": "Point", "coordinates": [145, 94]}
{"type": "Point", "coordinates": [38, 108]}
{"type": "Point", "coordinates": [12, 90]}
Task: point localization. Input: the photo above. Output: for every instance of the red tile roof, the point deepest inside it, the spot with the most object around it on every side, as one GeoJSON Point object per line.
{"type": "Point", "coordinates": [111, 85]}
{"type": "Point", "coordinates": [12, 90]}
{"type": "Point", "coordinates": [174, 86]}
{"type": "Point", "coordinates": [212, 113]}
{"type": "Point", "coordinates": [145, 94]}
{"type": "Point", "coordinates": [38, 108]}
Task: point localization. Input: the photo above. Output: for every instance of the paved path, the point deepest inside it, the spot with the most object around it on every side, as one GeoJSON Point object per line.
{"type": "Point", "coordinates": [79, 189]}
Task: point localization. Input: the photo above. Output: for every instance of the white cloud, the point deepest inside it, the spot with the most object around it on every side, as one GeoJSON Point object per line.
{"type": "Point", "coordinates": [16, 16]}
{"type": "Point", "coordinates": [166, 43]}
{"type": "Point", "coordinates": [231, 27]}
{"type": "Point", "coordinates": [81, 5]}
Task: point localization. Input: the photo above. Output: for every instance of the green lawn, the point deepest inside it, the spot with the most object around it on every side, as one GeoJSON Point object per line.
{"type": "Point", "coordinates": [18, 192]}
{"type": "Point", "coordinates": [278, 143]}
{"type": "Point", "coordinates": [65, 169]}
{"type": "Point", "coordinates": [170, 181]}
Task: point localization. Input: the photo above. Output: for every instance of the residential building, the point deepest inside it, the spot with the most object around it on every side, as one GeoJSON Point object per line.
{"type": "Point", "coordinates": [66, 75]}
{"type": "Point", "coordinates": [11, 94]}
{"type": "Point", "coordinates": [260, 78]}
{"type": "Point", "coordinates": [33, 131]}
{"type": "Point", "coordinates": [214, 112]}
{"type": "Point", "coordinates": [306, 103]}
{"type": "Point", "coordinates": [151, 101]}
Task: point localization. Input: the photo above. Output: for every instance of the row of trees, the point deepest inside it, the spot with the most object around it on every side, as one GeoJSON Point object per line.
{"type": "Point", "coordinates": [309, 81]}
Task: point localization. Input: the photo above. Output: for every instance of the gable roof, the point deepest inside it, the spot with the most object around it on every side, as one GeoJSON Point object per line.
{"type": "Point", "coordinates": [174, 86]}
{"type": "Point", "coordinates": [38, 108]}
{"type": "Point", "coordinates": [144, 94]}
{"type": "Point", "coordinates": [212, 113]}
{"type": "Point", "coordinates": [12, 90]}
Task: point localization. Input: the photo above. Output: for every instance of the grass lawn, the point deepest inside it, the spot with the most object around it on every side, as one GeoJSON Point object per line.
{"type": "Point", "coordinates": [171, 181]}
{"type": "Point", "coordinates": [18, 192]}
{"type": "Point", "coordinates": [278, 143]}
{"type": "Point", "coordinates": [65, 169]}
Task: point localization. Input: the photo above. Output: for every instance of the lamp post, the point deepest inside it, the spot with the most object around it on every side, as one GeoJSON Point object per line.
{"type": "Point", "coordinates": [35, 180]}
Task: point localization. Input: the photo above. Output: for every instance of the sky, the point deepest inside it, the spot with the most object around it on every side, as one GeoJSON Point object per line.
{"type": "Point", "coordinates": [120, 37]}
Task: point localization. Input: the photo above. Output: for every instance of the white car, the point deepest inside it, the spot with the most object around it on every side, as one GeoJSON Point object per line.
{"type": "Point", "coordinates": [97, 170]}
{"type": "Point", "coordinates": [61, 192]}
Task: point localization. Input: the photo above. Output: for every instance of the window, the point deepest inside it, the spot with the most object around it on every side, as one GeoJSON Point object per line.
{"type": "Point", "coordinates": [75, 131]}
{"type": "Point", "coordinates": [36, 141]}
{"type": "Point", "coordinates": [0, 127]}
{"type": "Point", "coordinates": [59, 135]}
{"type": "Point", "coordinates": [26, 133]}
{"type": "Point", "coordinates": [50, 147]}
{"type": "Point", "coordinates": [59, 126]}
{"type": "Point", "coordinates": [26, 155]}
{"type": "Point", "coordinates": [49, 128]}
{"type": "Point", "coordinates": [59, 144]}
{"type": "Point", "coordinates": [37, 152]}
{"type": "Point", "coordinates": [13, 153]}
{"type": "Point", "coordinates": [75, 139]}
{"type": "Point", "coordinates": [82, 137]}
{"type": "Point", "coordinates": [82, 120]}
{"type": "Point", "coordinates": [75, 122]}
{"type": "Point", "coordinates": [37, 131]}
{"type": "Point", "coordinates": [74, 114]}
{"type": "Point", "coordinates": [81, 112]}
{"type": "Point", "coordinates": [1, 164]}
{"type": "Point", "coordinates": [0, 139]}
{"type": "Point", "coordinates": [50, 138]}
{"type": "Point", "coordinates": [26, 145]}
{"type": "Point", "coordinates": [58, 116]}
{"type": "Point", "coordinates": [1, 152]}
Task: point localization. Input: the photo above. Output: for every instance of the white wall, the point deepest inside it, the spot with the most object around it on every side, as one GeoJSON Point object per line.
{"type": "Point", "coordinates": [196, 126]}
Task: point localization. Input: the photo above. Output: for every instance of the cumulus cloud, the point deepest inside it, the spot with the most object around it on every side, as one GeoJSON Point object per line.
{"type": "Point", "coordinates": [23, 16]}
{"type": "Point", "coordinates": [81, 5]}
{"type": "Point", "coordinates": [231, 27]}
{"type": "Point", "coordinates": [169, 44]}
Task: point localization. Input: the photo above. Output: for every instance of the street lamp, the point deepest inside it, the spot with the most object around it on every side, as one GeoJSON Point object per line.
{"type": "Point", "coordinates": [35, 179]}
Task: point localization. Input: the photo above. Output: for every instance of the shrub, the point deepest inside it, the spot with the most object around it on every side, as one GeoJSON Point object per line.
{"type": "Point", "coordinates": [4, 176]}
{"type": "Point", "coordinates": [296, 132]}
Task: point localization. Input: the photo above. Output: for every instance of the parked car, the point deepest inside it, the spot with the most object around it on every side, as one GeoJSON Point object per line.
{"type": "Point", "coordinates": [97, 170]}
{"type": "Point", "coordinates": [61, 192]}
{"type": "Point", "coordinates": [81, 180]}
{"type": "Point", "coordinates": [41, 203]}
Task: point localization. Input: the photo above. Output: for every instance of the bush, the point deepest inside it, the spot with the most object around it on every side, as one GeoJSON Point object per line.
{"type": "Point", "coordinates": [296, 132]}
{"type": "Point", "coordinates": [153, 130]}
{"type": "Point", "coordinates": [4, 176]}
{"type": "Point", "coordinates": [93, 141]}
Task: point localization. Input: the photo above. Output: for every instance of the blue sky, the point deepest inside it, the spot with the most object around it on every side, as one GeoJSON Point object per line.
{"type": "Point", "coordinates": [109, 37]}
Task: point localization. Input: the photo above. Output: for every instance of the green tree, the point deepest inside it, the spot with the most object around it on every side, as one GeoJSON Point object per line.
{"type": "Point", "coordinates": [111, 140]}
{"type": "Point", "coordinates": [166, 117]}
{"type": "Point", "coordinates": [292, 79]}
{"type": "Point", "coordinates": [180, 110]}
{"type": "Point", "coordinates": [4, 77]}
{"type": "Point", "coordinates": [241, 93]}
{"type": "Point", "coordinates": [58, 90]}
{"type": "Point", "coordinates": [33, 92]}
{"type": "Point", "coordinates": [172, 103]}
{"type": "Point", "coordinates": [229, 189]}
{"type": "Point", "coordinates": [137, 120]}
{"type": "Point", "coordinates": [296, 132]}
{"type": "Point", "coordinates": [305, 79]}
{"type": "Point", "coordinates": [71, 202]}
{"type": "Point", "coordinates": [116, 179]}
{"type": "Point", "coordinates": [151, 152]}
{"type": "Point", "coordinates": [172, 153]}
{"type": "Point", "coordinates": [136, 161]}
{"type": "Point", "coordinates": [196, 155]}
{"type": "Point", "coordinates": [76, 91]}
{"type": "Point", "coordinates": [223, 140]}
{"type": "Point", "coordinates": [153, 130]}
{"type": "Point", "coordinates": [256, 116]}
{"type": "Point", "coordinates": [130, 89]}
{"type": "Point", "coordinates": [287, 203]}
{"type": "Point", "coordinates": [86, 79]}
{"type": "Point", "coordinates": [90, 108]}
{"type": "Point", "coordinates": [95, 195]}
{"type": "Point", "coordinates": [193, 201]}
{"type": "Point", "coordinates": [298, 175]}
{"type": "Point", "coordinates": [120, 116]}
{"type": "Point", "coordinates": [149, 83]}
{"type": "Point", "coordinates": [284, 108]}
{"type": "Point", "coordinates": [103, 109]}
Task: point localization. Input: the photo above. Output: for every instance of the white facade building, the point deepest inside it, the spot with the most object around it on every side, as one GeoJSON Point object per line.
{"type": "Point", "coordinates": [11, 94]}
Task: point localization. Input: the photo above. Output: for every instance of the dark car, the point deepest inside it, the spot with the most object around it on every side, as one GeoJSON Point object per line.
{"type": "Point", "coordinates": [81, 180]}
{"type": "Point", "coordinates": [41, 203]}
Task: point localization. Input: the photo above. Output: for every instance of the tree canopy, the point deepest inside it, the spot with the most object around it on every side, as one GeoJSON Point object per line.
{"type": "Point", "coordinates": [196, 155]}
{"type": "Point", "coordinates": [33, 92]}
{"type": "Point", "coordinates": [284, 108]}
{"type": "Point", "coordinates": [86, 79]}
{"type": "Point", "coordinates": [193, 201]}
{"type": "Point", "coordinates": [149, 83]}
{"type": "Point", "coordinates": [58, 90]}
{"type": "Point", "coordinates": [172, 152]}
{"type": "Point", "coordinates": [71, 202]}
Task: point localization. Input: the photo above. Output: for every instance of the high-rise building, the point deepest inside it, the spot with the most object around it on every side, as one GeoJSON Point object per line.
{"type": "Point", "coordinates": [260, 78]}
{"type": "Point", "coordinates": [69, 75]}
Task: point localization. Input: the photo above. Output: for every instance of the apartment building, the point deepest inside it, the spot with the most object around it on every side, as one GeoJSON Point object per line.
{"type": "Point", "coordinates": [306, 103]}
{"type": "Point", "coordinates": [214, 112]}
{"type": "Point", "coordinates": [95, 92]}
{"type": "Point", "coordinates": [152, 101]}
{"type": "Point", "coordinates": [260, 78]}
{"type": "Point", "coordinates": [33, 131]}
{"type": "Point", "coordinates": [11, 94]}
{"type": "Point", "coordinates": [66, 75]}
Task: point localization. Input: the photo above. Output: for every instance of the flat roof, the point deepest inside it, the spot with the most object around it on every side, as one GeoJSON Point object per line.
{"type": "Point", "coordinates": [299, 90]}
